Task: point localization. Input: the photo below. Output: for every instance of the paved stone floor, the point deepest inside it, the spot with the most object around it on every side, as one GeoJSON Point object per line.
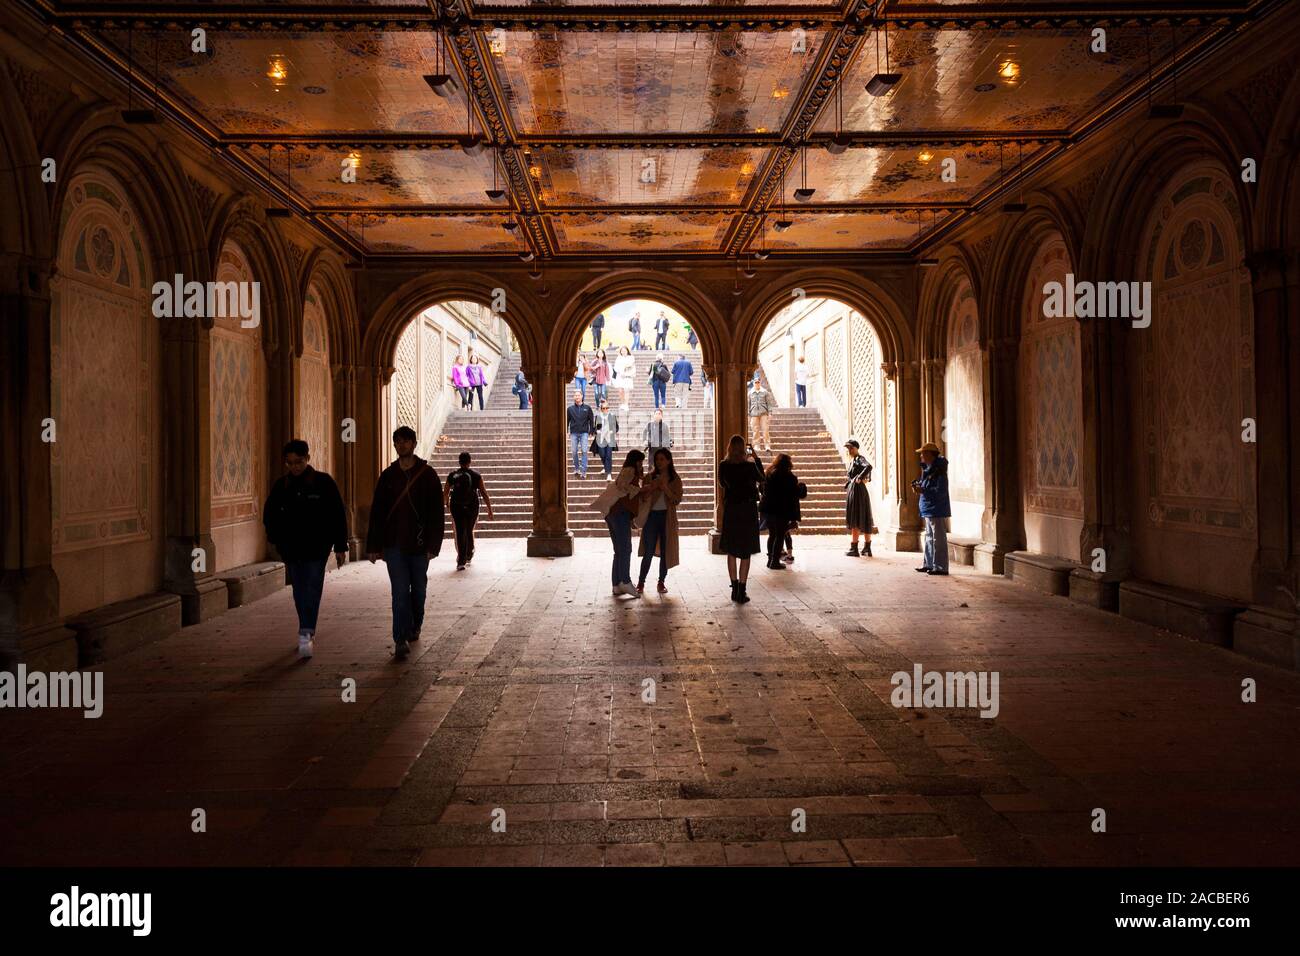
{"type": "Point", "coordinates": [526, 695]}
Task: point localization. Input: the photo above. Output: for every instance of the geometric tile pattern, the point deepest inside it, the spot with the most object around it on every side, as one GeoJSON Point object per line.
{"type": "Point", "coordinates": [963, 382]}
{"type": "Point", "coordinates": [1051, 415]}
{"type": "Point", "coordinates": [103, 354]}
{"type": "Point", "coordinates": [235, 390]}
{"type": "Point", "coordinates": [315, 391]}
{"type": "Point", "coordinates": [864, 361]}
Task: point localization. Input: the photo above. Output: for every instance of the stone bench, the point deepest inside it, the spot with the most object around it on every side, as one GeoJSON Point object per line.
{"type": "Point", "coordinates": [962, 550]}
{"type": "Point", "coordinates": [1043, 572]}
{"type": "Point", "coordinates": [114, 629]}
{"type": "Point", "coordinates": [1196, 615]}
{"type": "Point", "coordinates": [1268, 635]}
{"type": "Point", "coordinates": [252, 582]}
{"type": "Point", "coordinates": [1095, 590]}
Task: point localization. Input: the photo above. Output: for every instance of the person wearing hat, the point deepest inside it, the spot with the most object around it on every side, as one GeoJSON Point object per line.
{"type": "Point", "coordinates": [857, 503]}
{"type": "Point", "coordinates": [932, 488]}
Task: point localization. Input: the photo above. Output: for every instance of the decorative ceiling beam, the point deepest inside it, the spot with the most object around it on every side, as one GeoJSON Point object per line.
{"type": "Point", "coordinates": [643, 141]}
{"type": "Point", "coordinates": [655, 18]}
{"type": "Point", "coordinates": [626, 209]}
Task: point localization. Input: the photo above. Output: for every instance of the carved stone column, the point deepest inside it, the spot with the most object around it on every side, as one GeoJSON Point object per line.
{"type": "Point", "coordinates": [343, 381]}
{"type": "Point", "coordinates": [1003, 529]}
{"type": "Point", "coordinates": [30, 627]}
{"type": "Point", "coordinates": [190, 554]}
{"type": "Point", "coordinates": [906, 380]}
{"type": "Point", "coordinates": [551, 537]}
{"type": "Point", "coordinates": [731, 407]}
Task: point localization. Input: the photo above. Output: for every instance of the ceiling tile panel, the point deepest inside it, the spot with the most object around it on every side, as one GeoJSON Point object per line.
{"type": "Point", "coordinates": [426, 176]}
{"type": "Point", "coordinates": [577, 177]}
{"type": "Point", "coordinates": [652, 82]}
{"type": "Point", "coordinates": [694, 232]}
{"type": "Point", "coordinates": [468, 235]}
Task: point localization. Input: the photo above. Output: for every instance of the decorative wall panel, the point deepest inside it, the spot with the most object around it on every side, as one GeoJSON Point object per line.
{"type": "Point", "coordinates": [104, 354]}
{"type": "Point", "coordinates": [237, 407]}
{"type": "Point", "coordinates": [864, 374]}
{"type": "Point", "coordinates": [963, 384]}
{"type": "Point", "coordinates": [1050, 413]}
{"type": "Point", "coordinates": [315, 387]}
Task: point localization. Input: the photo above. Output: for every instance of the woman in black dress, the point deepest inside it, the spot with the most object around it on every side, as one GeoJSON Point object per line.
{"type": "Point", "coordinates": [780, 506]}
{"type": "Point", "coordinates": [739, 475]}
{"type": "Point", "coordinates": [857, 503]}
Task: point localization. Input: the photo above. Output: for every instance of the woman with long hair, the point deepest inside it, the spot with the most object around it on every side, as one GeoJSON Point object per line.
{"type": "Point", "coordinates": [780, 505]}
{"type": "Point", "coordinates": [661, 493]}
{"type": "Point", "coordinates": [625, 375]}
{"type": "Point", "coordinates": [619, 503]}
{"type": "Point", "coordinates": [600, 374]}
{"type": "Point", "coordinates": [477, 373]}
{"type": "Point", "coordinates": [580, 376]}
{"type": "Point", "coordinates": [459, 379]}
{"type": "Point", "coordinates": [739, 476]}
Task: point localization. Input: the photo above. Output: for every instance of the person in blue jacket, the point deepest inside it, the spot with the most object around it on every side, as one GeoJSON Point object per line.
{"type": "Point", "coordinates": [932, 487]}
{"type": "Point", "coordinates": [682, 372]}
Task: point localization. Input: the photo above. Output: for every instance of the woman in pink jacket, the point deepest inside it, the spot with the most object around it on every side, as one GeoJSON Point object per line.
{"type": "Point", "coordinates": [460, 381]}
{"type": "Point", "coordinates": [600, 372]}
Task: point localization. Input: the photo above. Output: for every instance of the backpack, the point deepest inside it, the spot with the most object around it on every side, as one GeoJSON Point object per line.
{"type": "Point", "coordinates": [462, 487]}
{"type": "Point", "coordinates": [663, 374]}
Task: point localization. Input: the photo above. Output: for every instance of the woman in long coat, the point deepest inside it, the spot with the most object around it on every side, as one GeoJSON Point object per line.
{"type": "Point", "coordinates": [857, 503]}
{"type": "Point", "coordinates": [661, 493]}
{"type": "Point", "coordinates": [740, 475]}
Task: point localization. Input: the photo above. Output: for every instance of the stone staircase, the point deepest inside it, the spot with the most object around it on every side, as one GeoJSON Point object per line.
{"type": "Point", "coordinates": [500, 441]}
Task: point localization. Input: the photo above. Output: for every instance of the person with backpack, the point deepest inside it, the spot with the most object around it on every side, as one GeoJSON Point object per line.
{"type": "Point", "coordinates": [464, 488]}
{"type": "Point", "coordinates": [304, 518]}
{"type": "Point", "coordinates": [597, 327]}
{"type": "Point", "coordinates": [407, 525]}
{"type": "Point", "coordinates": [520, 389]}
{"type": "Point", "coordinates": [634, 326]}
{"type": "Point", "coordinates": [780, 506]}
{"type": "Point", "coordinates": [660, 376]}
{"type": "Point", "coordinates": [692, 339]}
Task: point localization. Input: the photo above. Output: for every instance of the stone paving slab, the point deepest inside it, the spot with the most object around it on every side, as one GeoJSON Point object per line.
{"type": "Point", "coordinates": [772, 739]}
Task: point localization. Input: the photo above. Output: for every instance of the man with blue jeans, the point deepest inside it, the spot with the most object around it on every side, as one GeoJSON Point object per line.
{"type": "Point", "coordinates": [659, 376]}
{"type": "Point", "coordinates": [407, 525]}
{"type": "Point", "coordinates": [661, 331]}
{"type": "Point", "coordinates": [304, 518]}
{"type": "Point", "coordinates": [634, 326]}
{"type": "Point", "coordinates": [582, 422]}
{"type": "Point", "coordinates": [935, 507]}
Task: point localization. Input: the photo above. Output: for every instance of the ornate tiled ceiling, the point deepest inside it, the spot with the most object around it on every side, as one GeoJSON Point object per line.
{"type": "Point", "coordinates": [634, 129]}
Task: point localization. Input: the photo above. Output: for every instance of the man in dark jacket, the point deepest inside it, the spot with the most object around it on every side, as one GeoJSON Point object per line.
{"type": "Point", "coordinates": [932, 487]}
{"type": "Point", "coordinates": [304, 518]}
{"type": "Point", "coordinates": [682, 372]}
{"type": "Point", "coordinates": [661, 331]}
{"type": "Point", "coordinates": [407, 524]}
{"type": "Point", "coordinates": [582, 422]}
{"type": "Point", "coordinates": [521, 389]}
{"type": "Point", "coordinates": [634, 326]}
{"type": "Point", "coordinates": [597, 327]}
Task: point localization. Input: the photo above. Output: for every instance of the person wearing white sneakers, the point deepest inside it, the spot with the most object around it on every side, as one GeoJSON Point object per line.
{"type": "Point", "coordinates": [304, 517]}
{"type": "Point", "coordinates": [625, 376]}
{"type": "Point", "coordinates": [618, 504]}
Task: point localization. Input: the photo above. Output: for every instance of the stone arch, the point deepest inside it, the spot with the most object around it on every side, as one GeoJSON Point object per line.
{"type": "Point", "coordinates": [324, 272]}
{"type": "Point", "coordinates": [242, 220]}
{"type": "Point", "coordinates": [26, 228]}
{"type": "Point", "coordinates": [619, 285]}
{"type": "Point", "coordinates": [315, 399]}
{"type": "Point", "coordinates": [1192, 478]}
{"type": "Point", "coordinates": [881, 309]}
{"type": "Point", "coordinates": [106, 471]}
{"type": "Point", "coordinates": [1011, 258]}
{"type": "Point", "coordinates": [389, 320]}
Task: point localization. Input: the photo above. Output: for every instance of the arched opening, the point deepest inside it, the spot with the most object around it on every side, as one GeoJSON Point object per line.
{"type": "Point", "coordinates": [962, 427]}
{"type": "Point", "coordinates": [821, 362]}
{"type": "Point", "coordinates": [635, 336]}
{"type": "Point", "coordinates": [453, 381]}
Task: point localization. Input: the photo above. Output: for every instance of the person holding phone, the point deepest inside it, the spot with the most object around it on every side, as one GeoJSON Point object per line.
{"type": "Point", "coordinates": [740, 475]}
{"type": "Point", "coordinates": [657, 518]}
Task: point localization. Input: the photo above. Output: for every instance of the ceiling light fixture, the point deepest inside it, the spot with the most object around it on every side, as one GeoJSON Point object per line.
{"type": "Point", "coordinates": [1163, 111]}
{"type": "Point", "coordinates": [496, 194]}
{"type": "Point", "coordinates": [925, 155]}
{"type": "Point", "coordinates": [1018, 206]}
{"type": "Point", "coordinates": [143, 116]}
{"type": "Point", "coordinates": [782, 224]}
{"type": "Point", "coordinates": [1009, 70]}
{"type": "Point", "coordinates": [839, 141]}
{"type": "Point", "coordinates": [471, 144]}
{"type": "Point", "coordinates": [526, 255]}
{"type": "Point", "coordinates": [441, 81]}
{"type": "Point", "coordinates": [882, 83]}
{"type": "Point", "coordinates": [804, 194]}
